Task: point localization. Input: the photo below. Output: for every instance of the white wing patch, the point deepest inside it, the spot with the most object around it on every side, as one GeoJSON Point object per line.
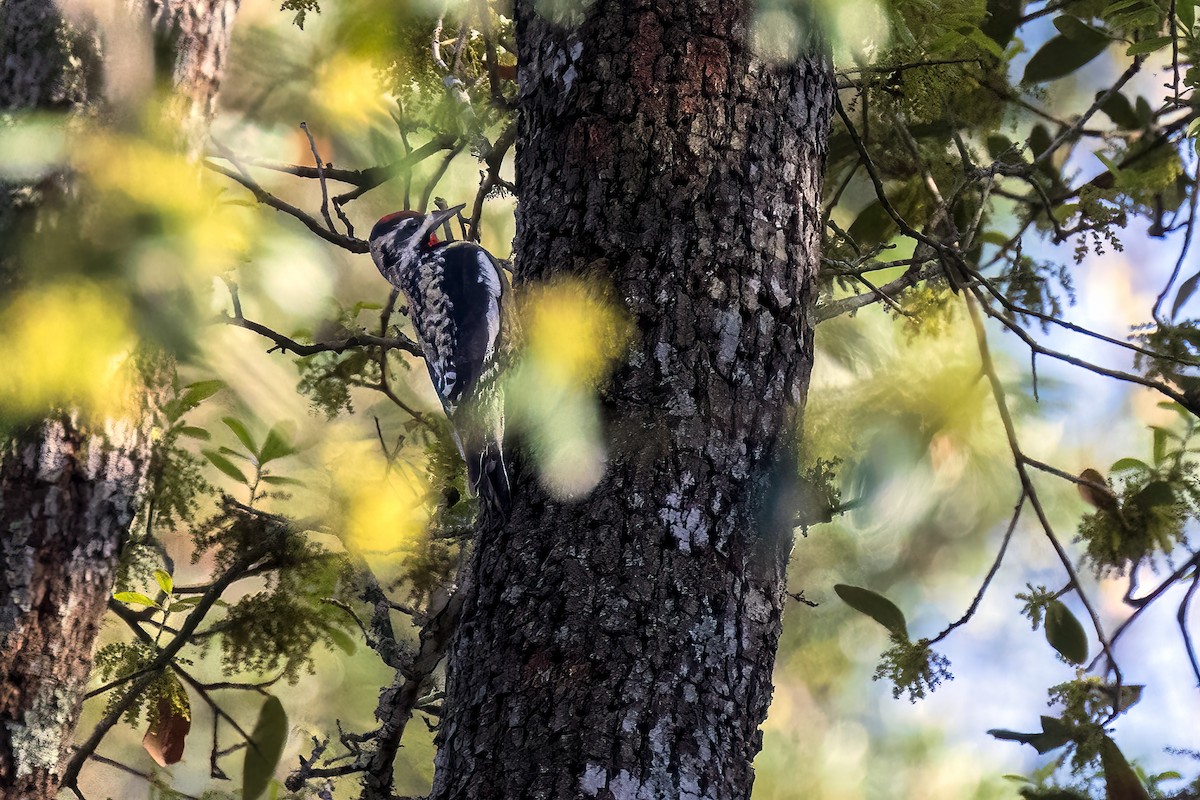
{"type": "Point", "coordinates": [490, 277]}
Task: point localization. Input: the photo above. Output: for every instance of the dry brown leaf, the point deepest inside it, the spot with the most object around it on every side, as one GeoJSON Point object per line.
{"type": "Point", "coordinates": [165, 738]}
{"type": "Point", "coordinates": [1099, 495]}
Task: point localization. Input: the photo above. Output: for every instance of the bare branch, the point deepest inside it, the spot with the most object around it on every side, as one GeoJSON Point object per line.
{"type": "Point", "coordinates": [312, 143]}
{"type": "Point", "coordinates": [286, 344]}
{"type": "Point", "coordinates": [989, 370]}
{"type": "Point", "coordinates": [268, 199]}
{"type": "Point", "coordinates": [1008, 533]}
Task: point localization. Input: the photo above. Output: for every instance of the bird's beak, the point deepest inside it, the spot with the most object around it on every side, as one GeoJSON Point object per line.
{"type": "Point", "coordinates": [436, 220]}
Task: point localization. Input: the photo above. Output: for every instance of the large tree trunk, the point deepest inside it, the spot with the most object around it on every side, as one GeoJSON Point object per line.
{"type": "Point", "coordinates": [68, 492]}
{"type": "Point", "coordinates": [622, 646]}
{"type": "Point", "coordinates": [67, 498]}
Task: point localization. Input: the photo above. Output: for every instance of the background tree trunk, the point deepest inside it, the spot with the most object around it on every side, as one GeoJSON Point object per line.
{"type": "Point", "coordinates": [67, 498]}
{"type": "Point", "coordinates": [68, 493]}
{"type": "Point", "coordinates": [622, 646]}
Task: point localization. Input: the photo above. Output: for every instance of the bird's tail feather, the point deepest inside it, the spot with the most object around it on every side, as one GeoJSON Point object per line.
{"type": "Point", "coordinates": [487, 476]}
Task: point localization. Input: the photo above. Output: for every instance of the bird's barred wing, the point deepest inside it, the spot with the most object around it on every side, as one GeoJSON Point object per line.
{"type": "Point", "coordinates": [464, 347]}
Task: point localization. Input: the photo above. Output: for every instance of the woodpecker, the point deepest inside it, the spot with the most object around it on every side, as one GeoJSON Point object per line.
{"type": "Point", "coordinates": [455, 293]}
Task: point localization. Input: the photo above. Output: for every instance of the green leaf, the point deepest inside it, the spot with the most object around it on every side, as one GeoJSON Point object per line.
{"type": "Point", "coordinates": [279, 480]}
{"type": "Point", "coordinates": [1122, 5]}
{"type": "Point", "coordinates": [1142, 108]}
{"type": "Point", "coordinates": [277, 444]}
{"type": "Point", "coordinates": [193, 395]}
{"type": "Point", "coordinates": [193, 432]}
{"type": "Point", "coordinates": [1054, 734]}
{"type": "Point", "coordinates": [1160, 445]}
{"type": "Point", "coordinates": [1063, 55]}
{"type": "Point", "coordinates": [241, 432]}
{"type": "Point", "coordinates": [1121, 781]}
{"type": "Point", "coordinates": [1002, 19]}
{"type": "Point", "coordinates": [1129, 697]}
{"type": "Point", "coordinates": [1188, 287]}
{"type": "Point", "coordinates": [1148, 45]}
{"type": "Point", "coordinates": [342, 640]}
{"type": "Point", "coordinates": [1186, 9]}
{"type": "Point", "coordinates": [1155, 494]}
{"type": "Point", "coordinates": [873, 224]}
{"type": "Point", "coordinates": [265, 748]}
{"type": "Point", "coordinates": [1065, 634]}
{"type": "Point", "coordinates": [1130, 464]}
{"type": "Point", "coordinates": [164, 580]}
{"type": "Point", "coordinates": [1112, 166]}
{"type": "Point", "coordinates": [1120, 111]}
{"type": "Point", "coordinates": [134, 597]}
{"type": "Point", "coordinates": [875, 606]}
{"type": "Point", "coordinates": [1001, 148]}
{"type": "Point", "coordinates": [225, 465]}
{"type": "Point", "coordinates": [1075, 29]}
{"type": "Point", "coordinates": [185, 603]}
{"type": "Point", "coordinates": [1039, 140]}
{"type": "Point", "coordinates": [200, 391]}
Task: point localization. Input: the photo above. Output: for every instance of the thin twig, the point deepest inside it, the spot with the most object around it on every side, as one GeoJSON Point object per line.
{"type": "Point", "coordinates": [268, 199]}
{"type": "Point", "coordinates": [1008, 533]}
{"type": "Point", "coordinates": [989, 370]}
{"type": "Point", "coordinates": [312, 143]}
{"type": "Point", "coordinates": [167, 653]}
{"type": "Point", "coordinates": [286, 344]}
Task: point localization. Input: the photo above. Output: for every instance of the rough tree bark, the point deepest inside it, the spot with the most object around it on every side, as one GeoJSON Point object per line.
{"type": "Point", "coordinates": [622, 646]}
{"type": "Point", "coordinates": [68, 491]}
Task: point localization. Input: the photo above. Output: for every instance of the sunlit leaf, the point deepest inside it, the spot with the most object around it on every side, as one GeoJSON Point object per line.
{"type": "Point", "coordinates": [875, 606]}
{"type": "Point", "coordinates": [265, 748]}
{"type": "Point", "coordinates": [349, 90]}
{"type": "Point", "coordinates": [164, 580]}
{"type": "Point", "coordinates": [134, 597]}
{"type": "Point", "coordinates": [1065, 634]}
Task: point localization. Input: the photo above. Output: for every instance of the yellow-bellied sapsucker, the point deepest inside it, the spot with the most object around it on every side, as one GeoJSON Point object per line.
{"type": "Point", "coordinates": [455, 293]}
